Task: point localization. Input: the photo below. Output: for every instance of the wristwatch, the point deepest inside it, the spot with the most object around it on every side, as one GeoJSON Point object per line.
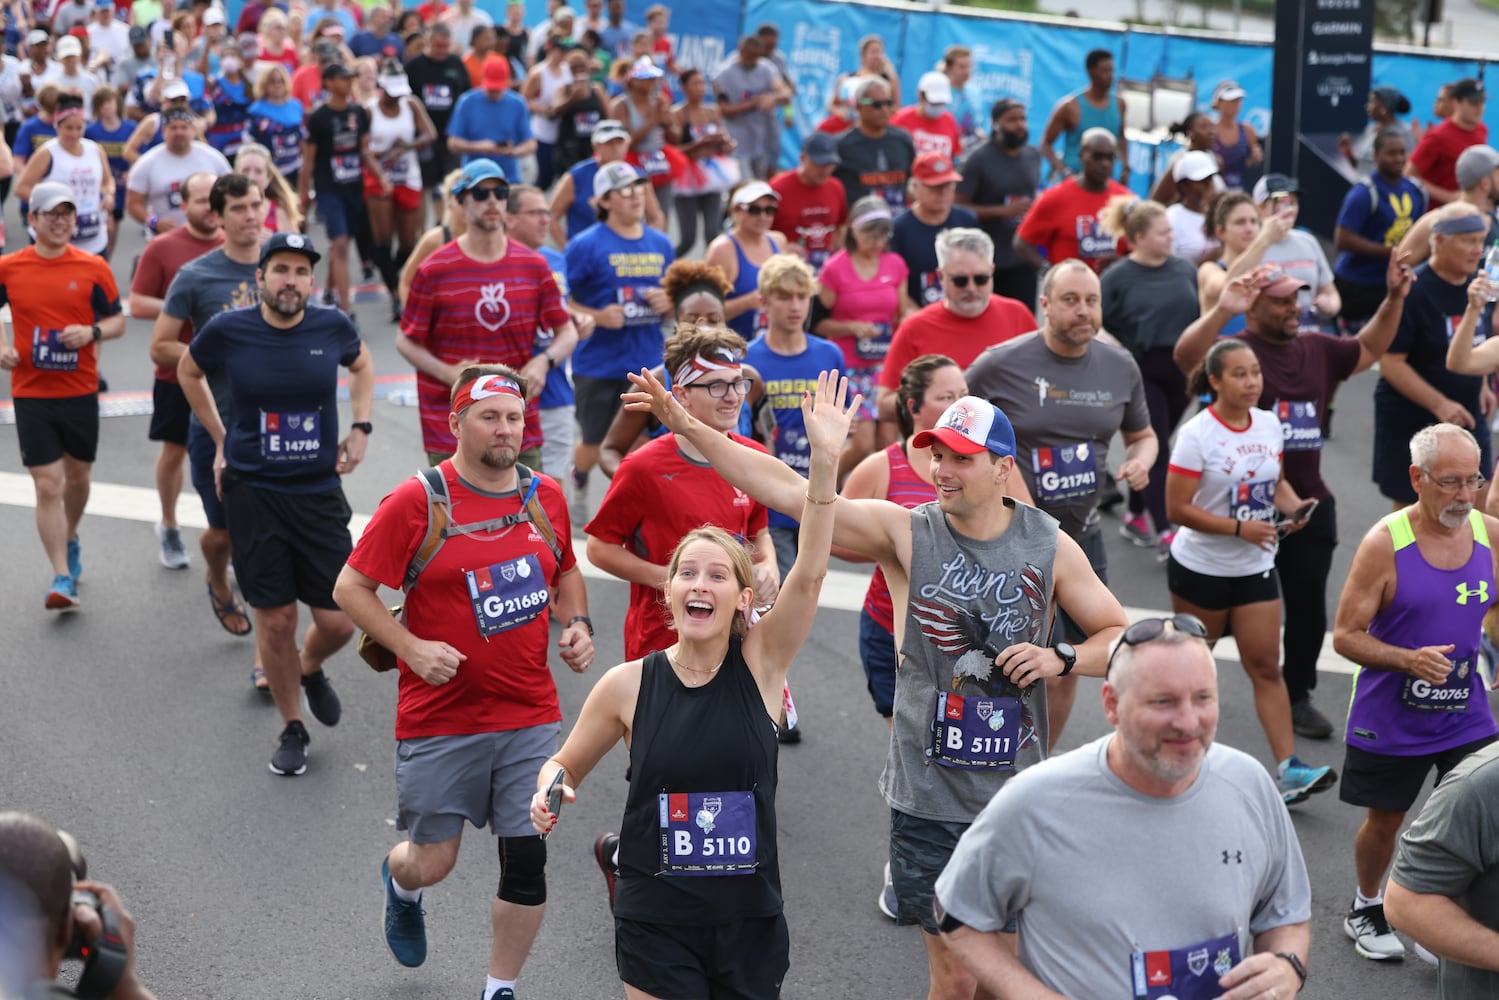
{"type": "Point", "coordinates": [363, 425]}
{"type": "Point", "coordinates": [98, 333]}
{"type": "Point", "coordinates": [587, 623]}
{"type": "Point", "coordinates": [1290, 956]}
{"type": "Point", "coordinates": [1068, 656]}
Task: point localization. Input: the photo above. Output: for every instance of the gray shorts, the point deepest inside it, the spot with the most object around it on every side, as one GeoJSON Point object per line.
{"type": "Point", "coordinates": [557, 440]}
{"type": "Point", "coordinates": [487, 779]}
{"type": "Point", "coordinates": [919, 850]}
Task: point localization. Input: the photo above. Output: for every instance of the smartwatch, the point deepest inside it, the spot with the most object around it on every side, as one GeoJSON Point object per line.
{"type": "Point", "coordinates": [1291, 956]}
{"type": "Point", "coordinates": [1068, 656]}
{"type": "Point", "coordinates": [587, 623]}
{"type": "Point", "coordinates": [363, 425]}
{"type": "Point", "coordinates": [98, 333]}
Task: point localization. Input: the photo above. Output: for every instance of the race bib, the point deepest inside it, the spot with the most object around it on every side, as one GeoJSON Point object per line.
{"type": "Point", "coordinates": [88, 227]}
{"type": "Point", "coordinates": [638, 311]}
{"type": "Point", "coordinates": [1092, 241]}
{"type": "Point", "coordinates": [346, 168]}
{"type": "Point", "coordinates": [817, 258]}
{"type": "Point", "coordinates": [1065, 473]}
{"type": "Point", "coordinates": [874, 348]}
{"type": "Point", "coordinates": [895, 196]}
{"type": "Point", "coordinates": [507, 594]}
{"type": "Point", "coordinates": [708, 833]}
{"type": "Point", "coordinates": [437, 96]}
{"type": "Point", "coordinates": [654, 164]}
{"type": "Point", "coordinates": [49, 355]}
{"type": "Point", "coordinates": [1190, 973]}
{"type": "Point", "coordinates": [1300, 425]}
{"type": "Point", "coordinates": [290, 437]}
{"type": "Point", "coordinates": [584, 122]}
{"type": "Point", "coordinates": [931, 287]}
{"type": "Point", "coordinates": [1252, 501]}
{"type": "Point", "coordinates": [397, 169]}
{"type": "Point", "coordinates": [976, 732]}
{"type": "Point", "coordinates": [174, 195]}
{"type": "Point", "coordinates": [1450, 697]}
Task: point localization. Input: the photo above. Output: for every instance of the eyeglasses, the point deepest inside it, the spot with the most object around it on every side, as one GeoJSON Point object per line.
{"type": "Point", "coordinates": [1451, 484]}
{"type": "Point", "coordinates": [962, 280]}
{"type": "Point", "coordinates": [877, 104]}
{"type": "Point", "coordinates": [767, 210]}
{"type": "Point", "coordinates": [484, 194]}
{"type": "Point", "coordinates": [528, 211]}
{"type": "Point", "coordinates": [61, 214]}
{"type": "Point", "coordinates": [719, 389]}
{"type": "Point", "coordinates": [1150, 629]}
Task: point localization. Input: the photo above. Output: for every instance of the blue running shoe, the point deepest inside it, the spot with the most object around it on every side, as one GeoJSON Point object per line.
{"type": "Point", "coordinates": [64, 594]}
{"type": "Point", "coordinates": [75, 558]}
{"type": "Point", "coordinates": [405, 924]}
{"type": "Point", "coordinates": [1298, 781]}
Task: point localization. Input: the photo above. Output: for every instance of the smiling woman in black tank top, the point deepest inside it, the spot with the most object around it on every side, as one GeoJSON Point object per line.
{"type": "Point", "coordinates": [696, 889]}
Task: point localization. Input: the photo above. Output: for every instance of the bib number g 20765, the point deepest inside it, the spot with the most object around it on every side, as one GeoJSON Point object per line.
{"type": "Point", "coordinates": [707, 833]}
{"type": "Point", "coordinates": [1449, 697]}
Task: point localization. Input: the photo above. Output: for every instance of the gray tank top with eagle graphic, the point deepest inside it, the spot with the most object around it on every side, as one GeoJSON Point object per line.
{"type": "Point", "coordinates": [967, 593]}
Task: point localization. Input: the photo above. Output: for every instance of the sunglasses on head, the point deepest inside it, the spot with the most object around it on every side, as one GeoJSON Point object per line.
{"type": "Point", "coordinates": [1150, 629]}
{"type": "Point", "coordinates": [962, 280]}
{"type": "Point", "coordinates": [484, 194]}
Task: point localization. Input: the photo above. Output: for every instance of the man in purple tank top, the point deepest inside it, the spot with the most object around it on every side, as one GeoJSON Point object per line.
{"type": "Point", "coordinates": [1410, 616]}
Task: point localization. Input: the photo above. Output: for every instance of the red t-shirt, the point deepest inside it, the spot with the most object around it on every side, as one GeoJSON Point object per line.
{"type": "Point", "coordinates": [462, 309]}
{"type": "Point", "coordinates": [307, 86]}
{"type": "Point", "coordinates": [810, 215]}
{"type": "Point", "coordinates": [505, 683]}
{"type": "Point", "coordinates": [656, 497]}
{"type": "Point", "coordinates": [834, 125]}
{"type": "Point", "coordinates": [931, 135]}
{"type": "Point", "coordinates": [935, 329]}
{"type": "Point", "coordinates": [1064, 222]}
{"type": "Point", "coordinates": [163, 257]}
{"type": "Point", "coordinates": [44, 297]}
{"type": "Point", "coordinates": [1437, 152]}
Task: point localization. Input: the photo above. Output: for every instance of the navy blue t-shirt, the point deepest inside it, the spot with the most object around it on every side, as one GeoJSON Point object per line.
{"type": "Point", "coordinates": [283, 394]}
{"type": "Point", "coordinates": [915, 241]}
{"type": "Point", "coordinates": [1384, 215]}
{"type": "Point", "coordinates": [787, 377]}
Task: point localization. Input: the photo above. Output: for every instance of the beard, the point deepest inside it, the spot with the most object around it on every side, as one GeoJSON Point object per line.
{"type": "Point", "coordinates": [499, 458]}
{"type": "Point", "coordinates": [1455, 515]}
{"type": "Point", "coordinates": [288, 302]}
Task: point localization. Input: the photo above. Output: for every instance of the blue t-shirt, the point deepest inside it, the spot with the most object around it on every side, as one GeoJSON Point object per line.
{"type": "Point", "coordinates": [915, 241]}
{"type": "Point", "coordinates": [317, 15]}
{"type": "Point", "coordinates": [279, 128]}
{"type": "Point", "coordinates": [113, 144]}
{"type": "Point", "coordinates": [197, 85]}
{"type": "Point", "coordinates": [606, 269]}
{"type": "Point", "coordinates": [558, 391]}
{"type": "Point", "coordinates": [367, 43]}
{"type": "Point", "coordinates": [1383, 215]}
{"type": "Point", "coordinates": [507, 120]}
{"type": "Point", "coordinates": [231, 109]}
{"type": "Point", "coordinates": [283, 392]}
{"type": "Point", "coordinates": [32, 136]}
{"type": "Point", "coordinates": [787, 377]}
{"type": "Point", "coordinates": [580, 214]}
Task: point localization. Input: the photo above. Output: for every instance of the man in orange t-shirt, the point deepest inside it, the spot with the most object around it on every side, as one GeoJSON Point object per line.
{"type": "Point", "coordinates": [63, 302]}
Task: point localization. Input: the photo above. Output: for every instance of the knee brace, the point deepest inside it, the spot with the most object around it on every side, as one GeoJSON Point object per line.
{"type": "Point", "coordinates": [523, 863]}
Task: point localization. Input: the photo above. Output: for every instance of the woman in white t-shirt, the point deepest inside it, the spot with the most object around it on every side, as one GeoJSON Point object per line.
{"type": "Point", "coordinates": [1226, 493]}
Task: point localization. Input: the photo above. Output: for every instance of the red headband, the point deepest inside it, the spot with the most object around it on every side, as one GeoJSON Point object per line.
{"type": "Point", "coordinates": [484, 387]}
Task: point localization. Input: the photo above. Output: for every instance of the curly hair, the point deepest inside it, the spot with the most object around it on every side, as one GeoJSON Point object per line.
{"type": "Point", "coordinates": [683, 275]}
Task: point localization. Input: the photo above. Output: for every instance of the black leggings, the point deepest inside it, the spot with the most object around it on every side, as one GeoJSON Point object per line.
{"type": "Point", "coordinates": [1304, 563]}
{"type": "Point", "coordinates": [1166, 396]}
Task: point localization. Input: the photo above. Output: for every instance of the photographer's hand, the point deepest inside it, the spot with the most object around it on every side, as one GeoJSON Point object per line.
{"type": "Point", "coordinates": [129, 987]}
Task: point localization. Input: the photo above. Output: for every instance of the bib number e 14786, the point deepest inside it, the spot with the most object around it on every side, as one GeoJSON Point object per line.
{"type": "Point", "coordinates": [707, 833]}
{"type": "Point", "coordinates": [290, 437]}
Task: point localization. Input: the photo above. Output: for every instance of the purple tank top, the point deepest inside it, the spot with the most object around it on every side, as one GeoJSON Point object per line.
{"type": "Point", "coordinates": [910, 491]}
{"type": "Point", "coordinates": [1397, 714]}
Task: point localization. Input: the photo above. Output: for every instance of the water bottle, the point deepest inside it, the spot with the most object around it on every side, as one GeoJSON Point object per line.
{"type": "Point", "coordinates": [1491, 271]}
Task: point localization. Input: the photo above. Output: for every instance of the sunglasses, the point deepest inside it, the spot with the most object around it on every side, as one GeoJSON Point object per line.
{"type": "Point", "coordinates": [1150, 629]}
{"type": "Point", "coordinates": [484, 194]}
{"type": "Point", "coordinates": [766, 210]}
{"type": "Point", "coordinates": [877, 104]}
{"type": "Point", "coordinates": [962, 280]}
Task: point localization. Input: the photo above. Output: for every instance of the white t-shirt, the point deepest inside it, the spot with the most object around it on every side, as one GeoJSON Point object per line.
{"type": "Point", "coordinates": [1236, 471]}
{"type": "Point", "coordinates": [1187, 236]}
{"type": "Point", "coordinates": [159, 174]}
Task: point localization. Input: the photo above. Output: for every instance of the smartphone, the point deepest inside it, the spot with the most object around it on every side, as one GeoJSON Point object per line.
{"type": "Point", "coordinates": [554, 795]}
{"type": "Point", "coordinates": [170, 39]}
{"type": "Point", "coordinates": [1298, 516]}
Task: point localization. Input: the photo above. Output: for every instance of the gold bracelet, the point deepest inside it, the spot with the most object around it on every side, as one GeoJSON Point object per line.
{"type": "Point", "coordinates": [821, 503]}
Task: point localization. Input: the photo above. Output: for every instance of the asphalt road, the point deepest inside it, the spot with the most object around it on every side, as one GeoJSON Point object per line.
{"type": "Point", "coordinates": [133, 725]}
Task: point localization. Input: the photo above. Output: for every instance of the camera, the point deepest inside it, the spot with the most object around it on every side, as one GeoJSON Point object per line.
{"type": "Point", "coordinates": [105, 958]}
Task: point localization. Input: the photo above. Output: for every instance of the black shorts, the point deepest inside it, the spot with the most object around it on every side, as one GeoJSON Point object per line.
{"type": "Point", "coordinates": [742, 960]}
{"type": "Point", "coordinates": [1063, 627]}
{"type": "Point", "coordinates": [1384, 781]}
{"type": "Point", "coordinates": [48, 429]}
{"type": "Point", "coordinates": [441, 163]}
{"type": "Point", "coordinates": [598, 402]}
{"type": "Point", "coordinates": [1220, 593]}
{"type": "Point", "coordinates": [170, 414]}
{"type": "Point", "coordinates": [287, 547]}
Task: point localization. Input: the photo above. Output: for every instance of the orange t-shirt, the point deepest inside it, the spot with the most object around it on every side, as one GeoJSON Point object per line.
{"type": "Point", "coordinates": [45, 295]}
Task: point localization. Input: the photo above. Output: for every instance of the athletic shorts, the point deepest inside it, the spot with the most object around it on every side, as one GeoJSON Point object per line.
{"type": "Point", "coordinates": [741, 960]}
{"type": "Point", "coordinates": [287, 547]}
{"type": "Point", "coordinates": [597, 403]}
{"type": "Point", "coordinates": [1384, 781]}
{"type": "Point", "coordinates": [1063, 628]}
{"type": "Point", "coordinates": [439, 163]}
{"type": "Point", "coordinates": [485, 778]}
{"type": "Point", "coordinates": [877, 651]}
{"type": "Point", "coordinates": [48, 429]}
{"type": "Point", "coordinates": [170, 413]}
{"type": "Point", "coordinates": [339, 210]}
{"type": "Point", "coordinates": [1220, 593]}
{"type": "Point", "coordinates": [919, 850]}
{"type": "Point", "coordinates": [407, 199]}
{"type": "Point", "coordinates": [200, 453]}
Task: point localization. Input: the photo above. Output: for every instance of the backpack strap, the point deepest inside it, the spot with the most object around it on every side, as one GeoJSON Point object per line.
{"type": "Point", "coordinates": [528, 485]}
{"type": "Point", "coordinates": [435, 485]}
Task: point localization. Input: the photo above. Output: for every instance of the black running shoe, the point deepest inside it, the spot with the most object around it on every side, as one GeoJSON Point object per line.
{"type": "Point", "coordinates": [603, 854]}
{"type": "Point", "coordinates": [291, 756]}
{"type": "Point", "coordinates": [322, 700]}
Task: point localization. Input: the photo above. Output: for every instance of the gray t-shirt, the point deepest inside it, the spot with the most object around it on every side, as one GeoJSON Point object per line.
{"type": "Point", "coordinates": [1001, 590]}
{"type": "Point", "coordinates": [1219, 860]}
{"type": "Point", "coordinates": [1147, 308]}
{"type": "Point", "coordinates": [734, 85]}
{"type": "Point", "coordinates": [1301, 256]}
{"type": "Point", "coordinates": [875, 166]}
{"type": "Point", "coordinates": [159, 175]}
{"type": "Point", "coordinates": [993, 177]}
{"type": "Point", "coordinates": [1064, 411]}
{"type": "Point", "coordinates": [1452, 850]}
{"type": "Point", "coordinates": [205, 287]}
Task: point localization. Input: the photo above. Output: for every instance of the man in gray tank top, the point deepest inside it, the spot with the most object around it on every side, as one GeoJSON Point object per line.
{"type": "Point", "coordinates": [975, 579]}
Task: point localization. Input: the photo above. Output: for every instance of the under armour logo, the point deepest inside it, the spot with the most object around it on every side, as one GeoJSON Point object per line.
{"type": "Point", "coordinates": [1482, 592]}
{"type": "Point", "coordinates": [1238, 857]}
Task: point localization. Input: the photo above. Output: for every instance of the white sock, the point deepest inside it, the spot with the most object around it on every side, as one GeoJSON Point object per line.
{"type": "Point", "coordinates": [1359, 902]}
{"type": "Point", "coordinates": [493, 986]}
{"type": "Point", "coordinates": [614, 858]}
{"type": "Point", "coordinates": [405, 894]}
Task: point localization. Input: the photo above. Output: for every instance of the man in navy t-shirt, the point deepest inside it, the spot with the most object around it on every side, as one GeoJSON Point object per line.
{"type": "Point", "coordinates": [934, 184]}
{"type": "Point", "coordinates": [278, 462]}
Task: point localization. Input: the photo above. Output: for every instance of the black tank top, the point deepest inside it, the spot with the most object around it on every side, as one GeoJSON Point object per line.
{"type": "Point", "coordinates": [701, 745]}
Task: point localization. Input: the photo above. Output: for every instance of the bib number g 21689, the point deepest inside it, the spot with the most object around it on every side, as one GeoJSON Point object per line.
{"type": "Point", "coordinates": [507, 594]}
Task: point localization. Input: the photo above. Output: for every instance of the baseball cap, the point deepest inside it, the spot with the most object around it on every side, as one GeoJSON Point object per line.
{"type": "Point", "coordinates": [752, 192]}
{"type": "Point", "coordinates": [1474, 164]}
{"type": "Point", "coordinates": [1273, 184]}
{"type": "Point", "coordinates": [139, 35]}
{"type": "Point", "coordinates": [49, 194]}
{"type": "Point", "coordinates": [337, 70]}
{"type": "Point", "coordinates": [172, 91]}
{"type": "Point", "coordinates": [37, 36]}
{"type": "Point", "coordinates": [104, 4]}
{"type": "Point", "coordinates": [476, 172]}
{"type": "Point", "coordinates": [608, 130]}
{"type": "Point", "coordinates": [213, 15]}
{"type": "Point", "coordinates": [821, 148]}
{"type": "Point", "coordinates": [645, 68]}
{"type": "Point", "coordinates": [1393, 99]}
{"type": "Point", "coordinates": [395, 84]}
{"type": "Point", "coordinates": [496, 74]}
{"type": "Point", "coordinates": [614, 176]}
{"type": "Point", "coordinates": [1469, 89]}
{"type": "Point", "coordinates": [935, 87]}
{"type": "Point", "coordinates": [933, 169]}
{"type": "Point", "coordinates": [67, 46]}
{"type": "Point", "coordinates": [971, 425]}
{"type": "Point", "coordinates": [1194, 165]}
{"type": "Point", "coordinates": [292, 242]}
{"type": "Point", "coordinates": [1279, 284]}
{"type": "Point", "coordinates": [1228, 90]}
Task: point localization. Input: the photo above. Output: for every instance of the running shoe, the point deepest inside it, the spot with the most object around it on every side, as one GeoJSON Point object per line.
{"type": "Point", "coordinates": [1307, 721]}
{"type": "Point", "coordinates": [173, 552]}
{"type": "Point", "coordinates": [322, 700]}
{"type": "Point", "coordinates": [1372, 935]}
{"type": "Point", "coordinates": [888, 903]}
{"type": "Point", "coordinates": [1299, 781]}
{"type": "Point", "coordinates": [503, 993]}
{"type": "Point", "coordinates": [291, 756]}
{"type": "Point", "coordinates": [1137, 529]}
{"type": "Point", "coordinates": [64, 594]}
{"type": "Point", "coordinates": [1163, 545]}
{"type": "Point", "coordinates": [75, 558]}
{"type": "Point", "coordinates": [603, 855]}
{"type": "Point", "coordinates": [405, 923]}
{"type": "Point", "coordinates": [580, 482]}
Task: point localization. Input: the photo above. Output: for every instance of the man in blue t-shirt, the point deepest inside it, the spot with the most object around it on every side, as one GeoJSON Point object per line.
{"type": "Point", "coordinates": [278, 462]}
{"type": "Point", "coordinates": [1376, 215]}
{"type": "Point", "coordinates": [492, 123]}
{"type": "Point", "coordinates": [934, 184]}
{"type": "Point", "coordinates": [615, 268]}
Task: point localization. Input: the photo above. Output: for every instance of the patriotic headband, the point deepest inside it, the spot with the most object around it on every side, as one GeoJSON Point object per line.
{"type": "Point", "coordinates": [484, 387]}
{"type": "Point", "coordinates": [699, 366]}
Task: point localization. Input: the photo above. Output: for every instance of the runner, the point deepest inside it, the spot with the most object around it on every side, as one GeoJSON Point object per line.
{"type": "Point", "coordinates": [572, 205]}
{"type": "Point", "coordinates": [278, 464]}
{"type": "Point", "coordinates": [743, 250]}
{"type": "Point", "coordinates": [1067, 219]}
{"type": "Point", "coordinates": [80, 164]}
{"type": "Point", "coordinates": [399, 126]}
{"type": "Point", "coordinates": [439, 78]}
{"type": "Point", "coordinates": [702, 798]}
{"type": "Point", "coordinates": [63, 303]}
{"type": "Point", "coordinates": [153, 194]}
{"type": "Point", "coordinates": [813, 208]}
{"type": "Point", "coordinates": [477, 711]}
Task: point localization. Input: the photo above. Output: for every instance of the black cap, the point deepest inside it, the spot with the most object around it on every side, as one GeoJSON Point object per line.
{"type": "Point", "coordinates": [336, 69]}
{"type": "Point", "coordinates": [1469, 89]}
{"type": "Point", "coordinates": [292, 242]}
